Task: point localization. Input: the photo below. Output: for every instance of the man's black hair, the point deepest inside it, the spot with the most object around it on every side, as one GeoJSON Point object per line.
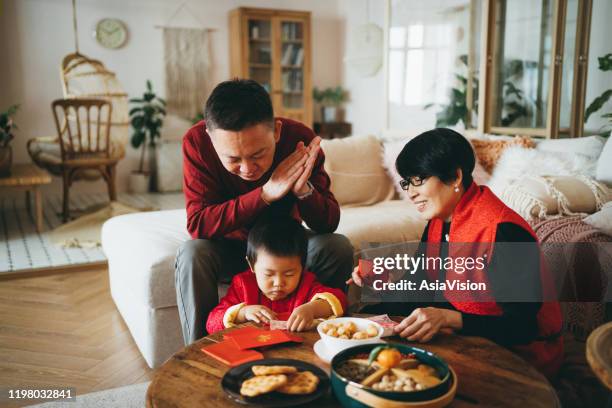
{"type": "Point", "coordinates": [238, 104]}
{"type": "Point", "coordinates": [438, 152]}
{"type": "Point", "coordinates": [279, 236]}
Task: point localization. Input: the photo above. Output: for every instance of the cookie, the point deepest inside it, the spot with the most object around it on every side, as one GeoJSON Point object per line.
{"type": "Point", "coordinates": [262, 384]}
{"type": "Point", "coordinates": [303, 382]}
{"type": "Point", "coordinates": [268, 370]}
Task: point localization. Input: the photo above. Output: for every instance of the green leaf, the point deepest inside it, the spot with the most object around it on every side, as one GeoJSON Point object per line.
{"type": "Point", "coordinates": [374, 353]}
{"type": "Point", "coordinates": [149, 85]}
{"type": "Point", "coordinates": [605, 62]}
{"type": "Point", "coordinates": [461, 79]}
{"type": "Point", "coordinates": [429, 105]}
{"type": "Point", "coordinates": [597, 104]}
{"type": "Point", "coordinates": [137, 139]}
{"type": "Point", "coordinates": [137, 100]}
{"type": "Point", "coordinates": [135, 110]}
{"type": "Point", "coordinates": [138, 121]}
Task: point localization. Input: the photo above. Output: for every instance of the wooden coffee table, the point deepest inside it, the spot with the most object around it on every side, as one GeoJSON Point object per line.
{"type": "Point", "coordinates": [28, 178]}
{"type": "Point", "coordinates": [488, 375]}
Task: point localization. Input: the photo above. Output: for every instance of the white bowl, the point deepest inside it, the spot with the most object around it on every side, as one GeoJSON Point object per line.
{"type": "Point", "coordinates": [335, 345]}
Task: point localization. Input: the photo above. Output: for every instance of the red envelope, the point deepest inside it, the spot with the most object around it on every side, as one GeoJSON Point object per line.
{"type": "Point", "coordinates": [228, 353]}
{"type": "Point", "coordinates": [267, 338]}
{"type": "Point", "coordinates": [366, 271]}
{"type": "Point", "coordinates": [244, 330]}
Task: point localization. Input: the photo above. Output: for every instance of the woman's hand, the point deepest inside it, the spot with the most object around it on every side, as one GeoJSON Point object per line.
{"type": "Point", "coordinates": [355, 278]}
{"type": "Point", "coordinates": [256, 313]}
{"type": "Point", "coordinates": [302, 317]}
{"type": "Point", "coordinates": [424, 323]}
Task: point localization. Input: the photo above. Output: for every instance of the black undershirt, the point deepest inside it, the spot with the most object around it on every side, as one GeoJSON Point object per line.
{"type": "Point", "coordinates": [518, 323]}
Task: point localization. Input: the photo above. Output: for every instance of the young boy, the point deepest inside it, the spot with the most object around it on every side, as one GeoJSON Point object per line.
{"type": "Point", "coordinates": [276, 282]}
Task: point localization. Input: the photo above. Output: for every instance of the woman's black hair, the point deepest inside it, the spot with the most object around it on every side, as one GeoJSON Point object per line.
{"type": "Point", "coordinates": [237, 104]}
{"type": "Point", "coordinates": [279, 236]}
{"type": "Point", "coordinates": [438, 152]}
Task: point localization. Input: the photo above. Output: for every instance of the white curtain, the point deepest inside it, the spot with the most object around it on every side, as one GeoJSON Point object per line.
{"type": "Point", "coordinates": [188, 61]}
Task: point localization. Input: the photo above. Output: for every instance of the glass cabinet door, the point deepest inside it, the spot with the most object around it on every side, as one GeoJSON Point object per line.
{"type": "Point", "coordinates": [260, 51]}
{"type": "Point", "coordinates": [522, 55]}
{"type": "Point", "coordinates": [292, 64]}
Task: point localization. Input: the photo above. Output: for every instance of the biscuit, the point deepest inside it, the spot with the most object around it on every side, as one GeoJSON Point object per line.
{"type": "Point", "coordinates": [303, 382]}
{"type": "Point", "coordinates": [267, 370]}
{"type": "Point", "coordinates": [262, 384]}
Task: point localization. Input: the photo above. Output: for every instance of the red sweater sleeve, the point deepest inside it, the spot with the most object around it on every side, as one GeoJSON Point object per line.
{"type": "Point", "coordinates": [235, 295]}
{"type": "Point", "coordinates": [209, 213]}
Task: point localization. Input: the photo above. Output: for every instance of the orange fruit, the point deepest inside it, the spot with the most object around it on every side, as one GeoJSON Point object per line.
{"type": "Point", "coordinates": [389, 357]}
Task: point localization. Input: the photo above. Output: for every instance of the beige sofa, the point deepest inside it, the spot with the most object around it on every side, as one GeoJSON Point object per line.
{"type": "Point", "coordinates": [141, 247]}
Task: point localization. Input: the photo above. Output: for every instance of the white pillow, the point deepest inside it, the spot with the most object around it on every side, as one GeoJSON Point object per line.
{"type": "Point", "coordinates": [602, 220]}
{"type": "Point", "coordinates": [515, 162]}
{"type": "Point", "coordinates": [590, 146]}
{"type": "Point", "coordinates": [604, 164]}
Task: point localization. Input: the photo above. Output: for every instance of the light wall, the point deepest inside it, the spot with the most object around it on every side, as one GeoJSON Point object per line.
{"type": "Point", "coordinates": [36, 34]}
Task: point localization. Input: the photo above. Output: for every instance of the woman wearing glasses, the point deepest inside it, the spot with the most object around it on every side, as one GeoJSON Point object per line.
{"type": "Point", "coordinates": [436, 168]}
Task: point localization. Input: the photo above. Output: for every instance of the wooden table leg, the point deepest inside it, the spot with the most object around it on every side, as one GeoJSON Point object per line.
{"type": "Point", "coordinates": [27, 202]}
{"type": "Point", "coordinates": [38, 204]}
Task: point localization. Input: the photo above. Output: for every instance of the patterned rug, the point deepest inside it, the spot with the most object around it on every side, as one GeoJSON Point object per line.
{"type": "Point", "coordinates": [22, 249]}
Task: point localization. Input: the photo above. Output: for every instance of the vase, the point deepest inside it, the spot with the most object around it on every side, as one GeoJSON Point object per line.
{"type": "Point", "coordinates": [139, 182]}
{"type": "Point", "coordinates": [6, 160]}
{"type": "Point", "coordinates": [329, 114]}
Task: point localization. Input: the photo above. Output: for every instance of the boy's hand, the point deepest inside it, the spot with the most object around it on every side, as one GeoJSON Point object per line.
{"type": "Point", "coordinates": [257, 314]}
{"type": "Point", "coordinates": [301, 318]}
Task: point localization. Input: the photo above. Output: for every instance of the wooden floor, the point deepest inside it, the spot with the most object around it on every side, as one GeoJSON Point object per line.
{"type": "Point", "coordinates": [63, 330]}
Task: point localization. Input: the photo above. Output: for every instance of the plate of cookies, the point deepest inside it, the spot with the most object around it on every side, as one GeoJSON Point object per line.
{"type": "Point", "coordinates": [275, 382]}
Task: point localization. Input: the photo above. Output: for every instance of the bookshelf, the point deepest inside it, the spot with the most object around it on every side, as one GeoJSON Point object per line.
{"type": "Point", "coordinates": [273, 47]}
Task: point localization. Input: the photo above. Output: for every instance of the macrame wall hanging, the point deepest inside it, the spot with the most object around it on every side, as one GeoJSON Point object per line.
{"type": "Point", "coordinates": [188, 62]}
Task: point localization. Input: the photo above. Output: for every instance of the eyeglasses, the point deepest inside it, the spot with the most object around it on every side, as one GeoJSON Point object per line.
{"type": "Point", "coordinates": [414, 181]}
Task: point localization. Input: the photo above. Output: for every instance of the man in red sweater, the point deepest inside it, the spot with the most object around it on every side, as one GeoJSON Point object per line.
{"type": "Point", "coordinates": [241, 163]}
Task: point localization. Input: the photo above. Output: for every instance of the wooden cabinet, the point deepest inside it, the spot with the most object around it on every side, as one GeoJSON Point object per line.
{"type": "Point", "coordinates": [273, 47]}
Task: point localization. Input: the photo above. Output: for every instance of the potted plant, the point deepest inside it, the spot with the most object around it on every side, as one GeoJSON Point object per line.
{"type": "Point", "coordinates": [330, 100]}
{"type": "Point", "coordinates": [605, 64]}
{"type": "Point", "coordinates": [146, 117]}
{"type": "Point", "coordinates": [6, 135]}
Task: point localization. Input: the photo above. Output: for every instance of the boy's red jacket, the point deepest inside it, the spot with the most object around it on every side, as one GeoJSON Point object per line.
{"type": "Point", "coordinates": [244, 289]}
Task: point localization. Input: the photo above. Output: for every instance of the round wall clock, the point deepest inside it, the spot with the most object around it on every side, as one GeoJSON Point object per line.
{"type": "Point", "coordinates": [111, 33]}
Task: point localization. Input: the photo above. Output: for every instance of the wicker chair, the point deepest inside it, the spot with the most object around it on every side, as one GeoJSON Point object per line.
{"type": "Point", "coordinates": [85, 78]}
{"type": "Point", "coordinates": [83, 128]}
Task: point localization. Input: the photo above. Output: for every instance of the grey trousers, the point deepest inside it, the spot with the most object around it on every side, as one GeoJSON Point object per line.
{"type": "Point", "coordinates": [201, 263]}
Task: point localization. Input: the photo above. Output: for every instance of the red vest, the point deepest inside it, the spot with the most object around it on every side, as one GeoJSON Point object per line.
{"type": "Point", "coordinates": [475, 220]}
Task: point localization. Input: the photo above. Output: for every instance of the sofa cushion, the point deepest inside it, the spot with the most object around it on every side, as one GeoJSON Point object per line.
{"type": "Point", "coordinates": [604, 163]}
{"type": "Point", "coordinates": [387, 221]}
{"type": "Point", "coordinates": [488, 152]}
{"type": "Point", "coordinates": [142, 246]}
{"type": "Point", "coordinates": [588, 146]}
{"type": "Point", "coordinates": [354, 165]}
{"type": "Point", "coordinates": [602, 220]}
{"type": "Point", "coordinates": [537, 197]}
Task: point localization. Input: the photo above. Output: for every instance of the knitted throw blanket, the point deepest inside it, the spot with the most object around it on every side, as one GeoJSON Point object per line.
{"type": "Point", "coordinates": [585, 271]}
